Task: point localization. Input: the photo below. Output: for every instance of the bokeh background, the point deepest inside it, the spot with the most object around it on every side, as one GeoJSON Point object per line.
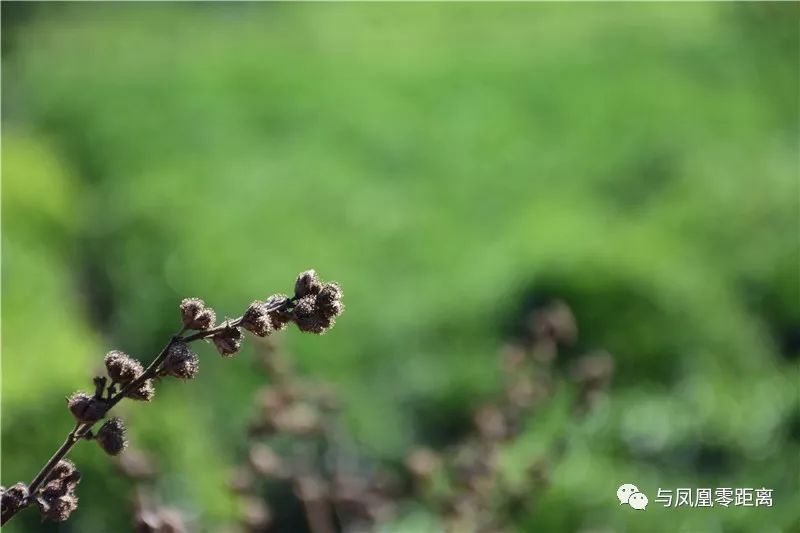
{"type": "Point", "coordinates": [444, 163]}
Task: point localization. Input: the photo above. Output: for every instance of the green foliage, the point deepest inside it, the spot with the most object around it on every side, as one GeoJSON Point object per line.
{"type": "Point", "coordinates": [441, 162]}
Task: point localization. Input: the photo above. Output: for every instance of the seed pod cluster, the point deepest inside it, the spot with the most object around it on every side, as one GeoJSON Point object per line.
{"type": "Point", "coordinates": [57, 499]}
{"type": "Point", "coordinates": [181, 362]}
{"type": "Point", "coordinates": [195, 314]}
{"type": "Point", "coordinates": [256, 319]}
{"type": "Point", "coordinates": [314, 307]}
{"type": "Point", "coordinates": [317, 305]}
{"type": "Point", "coordinates": [228, 340]}
{"type": "Point", "coordinates": [121, 367]}
{"type": "Point", "coordinates": [85, 408]}
{"type": "Point", "coordinates": [14, 497]}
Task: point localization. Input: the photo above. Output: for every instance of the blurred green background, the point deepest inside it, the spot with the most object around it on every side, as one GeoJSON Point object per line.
{"type": "Point", "coordinates": [442, 162]}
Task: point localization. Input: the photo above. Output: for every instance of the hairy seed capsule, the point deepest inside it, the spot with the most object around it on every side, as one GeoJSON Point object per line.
{"type": "Point", "coordinates": [65, 469]}
{"type": "Point", "coordinates": [121, 367]}
{"type": "Point", "coordinates": [195, 314]}
{"type": "Point", "coordinates": [14, 497]}
{"type": "Point", "coordinates": [329, 295]}
{"type": "Point", "coordinates": [144, 392]}
{"type": "Point", "coordinates": [57, 500]}
{"type": "Point", "coordinates": [310, 318]}
{"type": "Point", "coordinates": [111, 436]}
{"type": "Point", "coordinates": [86, 409]}
{"type": "Point", "coordinates": [256, 320]}
{"type": "Point", "coordinates": [307, 283]}
{"type": "Point", "coordinates": [181, 362]}
{"type": "Point", "coordinates": [228, 341]}
{"type": "Point", "coordinates": [279, 318]}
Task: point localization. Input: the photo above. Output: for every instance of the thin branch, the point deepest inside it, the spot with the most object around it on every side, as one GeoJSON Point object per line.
{"type": "Point", "coordinates": [307, 285]}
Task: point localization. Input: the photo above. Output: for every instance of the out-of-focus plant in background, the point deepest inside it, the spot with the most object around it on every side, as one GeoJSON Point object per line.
{"type": "Point", "coordinates": [452, 165]}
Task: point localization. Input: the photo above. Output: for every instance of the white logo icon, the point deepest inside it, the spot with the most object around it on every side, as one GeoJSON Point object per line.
{"type": "Point", "coordinates": [629, 494]}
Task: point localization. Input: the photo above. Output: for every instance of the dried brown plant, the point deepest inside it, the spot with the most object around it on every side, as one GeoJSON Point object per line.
{"type": "Point", "coordinates": [313, 308]}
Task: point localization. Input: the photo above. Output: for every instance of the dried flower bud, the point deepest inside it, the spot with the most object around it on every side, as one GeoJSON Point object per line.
{"type": "Point", "coordinates": [307, 283]}
{"type": "Point", "coordinates": [330, 312]}
{"type": "Point", "coordinates": [329, 303]}
{"type": "Point", "coordinates": [196, 315]}
{"type": "Point", "coordinates": [111, 437]}
{"type": "Point", "coordinates": [181, 362]}
{"type": "Point", "coordinates": [329, 295]}
{"type": "Point", "coordinates": [86, 409]}
{"type": "Point", "coordinates": [256, 320]}
{"type": "Point", "coordinates": [309, 317]}
{"type": "Point", "coordinates": [228, 341]}
{"type": "Point", "coordinates": [57, 500]}
{"type": "Point", "coordinates": [14, 497]}
{"type": "Point", "coordinates": [144, 392]}
{"type": "Point", "coordinates": [121, 367]}
{"type": "Point", "coordinates": [65, 470]}
{"type": "Point", "coordinates": [279, 318]}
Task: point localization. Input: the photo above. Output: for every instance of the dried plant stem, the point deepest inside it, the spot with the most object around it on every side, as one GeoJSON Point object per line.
{"type": "Point", "coordinates": [80, 430]}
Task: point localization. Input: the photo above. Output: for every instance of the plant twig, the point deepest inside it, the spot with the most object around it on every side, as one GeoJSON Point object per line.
{"type": "Point", "coordinates": [321, 305]}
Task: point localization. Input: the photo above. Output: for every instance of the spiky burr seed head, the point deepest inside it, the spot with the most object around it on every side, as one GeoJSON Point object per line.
{"type": "Point", "coordinates": [14, 497]}
{"type": "Point", "coordinates": [307, 283]}
{"type": "Point", "coordinates": [65, 470]}
{"type": "Point", "coordinates": [329, 302]}
{"type": "Point", "coordinates": [256, 319]}
{"type": "Point", "coordinates": [57, 500]}
{"type": "Point", "coordinates": [228, 341]}
{"type": "Point", "coordinates": [181, 362]}
{"type": "Point", "coordinates": [85, 408]}
{"type": "Point", "coordinates": [317, 314]}
{"type": "Point", "coordinates": [310, 318]}
{"type": "Point", "coordinates": [111, 437]}
{"type": "Point", "coordinates": [121, 367]}
{"type": "Point", "coordinates": [195, 314]}
{"type": "Point", "coordinates": [143, 393]}
{"type": "Point", "coordinates": [278, 318]}
{"type": "Point", "coordinates": [329, 295]}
